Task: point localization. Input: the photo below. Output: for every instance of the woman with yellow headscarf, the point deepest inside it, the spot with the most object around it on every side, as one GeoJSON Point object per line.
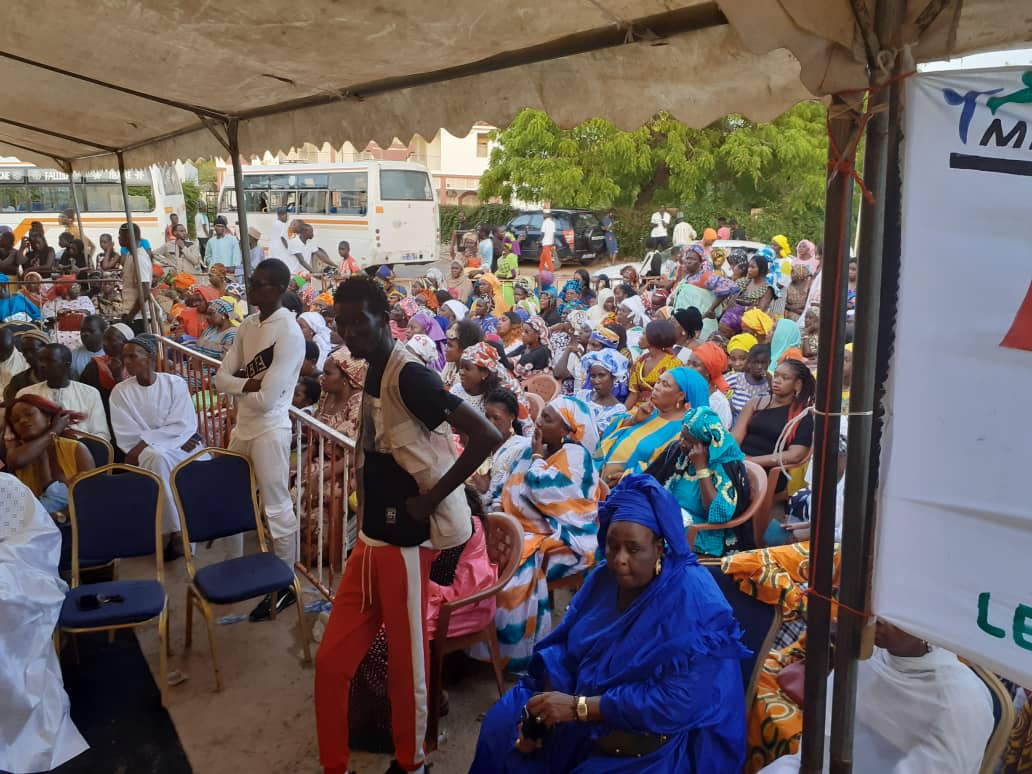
{"type": "Point", "coordinates": [781, 246]}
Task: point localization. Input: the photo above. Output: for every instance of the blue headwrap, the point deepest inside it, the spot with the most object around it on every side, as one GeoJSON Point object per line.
{"type": "Point", "coordinates": [615, 363]}
{"type": "Point", "coordinates": [696, 390]}
{"type": "Point", "coordinates": [767, 253]}
{"type": "Point", "coordinates": [523, 314]}
{"type": "Point", "coordinates": [606, 338]}
{"type": "Point", "coordinates": [573, 285]}
{"type": "Point", "coordinates": [641, 499]}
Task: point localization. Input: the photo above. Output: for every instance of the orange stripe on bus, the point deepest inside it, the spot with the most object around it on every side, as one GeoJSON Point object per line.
{"type": "Point", "coordinates": [23, 227]}
{"type": "Point", "coordinates": [321, 222]}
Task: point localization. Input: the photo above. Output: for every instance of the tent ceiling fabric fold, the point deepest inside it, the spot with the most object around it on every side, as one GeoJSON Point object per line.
{"type": "Point", "coordinates": [320, 70]}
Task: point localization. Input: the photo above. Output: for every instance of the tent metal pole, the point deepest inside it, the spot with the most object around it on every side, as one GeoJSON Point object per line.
{"type": "Point", "coordinates": [78, 214]}
{"type": "Point", "coordinates": [858, 520]}
{"type": "Point", "coordinates": [233, 138]}
{"type": "Point", "coordinates": [144, 296]}
{"type": "Point", "coordinates": [843, 125]}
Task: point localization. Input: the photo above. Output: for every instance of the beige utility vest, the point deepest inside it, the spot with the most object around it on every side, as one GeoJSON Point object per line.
{"type": "Point", "coordinates": [426, 455]}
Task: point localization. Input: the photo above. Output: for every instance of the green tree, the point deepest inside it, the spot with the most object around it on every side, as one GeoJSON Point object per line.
{"type": "Point", "coordinates": [730, 168]}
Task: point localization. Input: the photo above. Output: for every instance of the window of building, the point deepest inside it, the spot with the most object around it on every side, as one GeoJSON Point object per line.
{"type": "Point", "coordinates": [482, 149]}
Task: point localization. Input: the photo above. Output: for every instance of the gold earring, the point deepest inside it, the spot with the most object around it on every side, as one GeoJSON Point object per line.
{"type": "Point", "coordinates": [659, 565]}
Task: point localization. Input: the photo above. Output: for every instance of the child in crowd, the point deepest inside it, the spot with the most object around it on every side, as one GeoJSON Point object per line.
{"type": "Point", "coordinates": [310, 366]}
{"type": "Point", "coordinates": [306, 394]}
{"type": "Point", "coordinates": [753, 382]}
{"type": "Point", "coordinates": [738, 351]}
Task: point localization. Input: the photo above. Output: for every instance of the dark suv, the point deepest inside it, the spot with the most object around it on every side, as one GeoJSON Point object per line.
{"type": "Point", "coordinates": [578, 235]}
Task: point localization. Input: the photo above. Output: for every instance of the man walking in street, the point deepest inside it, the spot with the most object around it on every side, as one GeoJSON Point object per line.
{"type": "Point", "coordinates": [410, 501]}
{"type": "Point", "coordinates": [260, 370]}
{"type": "Point", "coordinates": [547, 242]}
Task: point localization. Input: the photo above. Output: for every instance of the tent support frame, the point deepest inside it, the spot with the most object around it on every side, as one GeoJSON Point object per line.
{"type": "Point", "coordinates": [70, 170]}
{"type": "Point", "coordinates": [133, 247]}
{"type": "Point", "coordinates": [233, 138]}
{"type": "Point", "coordinates": [858, 523]}
{"type": "Point", "coordinates": [843, 126]}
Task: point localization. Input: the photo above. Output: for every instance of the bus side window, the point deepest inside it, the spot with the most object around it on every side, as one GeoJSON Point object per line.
{"type": "Point", "coordinates": [349, 192]}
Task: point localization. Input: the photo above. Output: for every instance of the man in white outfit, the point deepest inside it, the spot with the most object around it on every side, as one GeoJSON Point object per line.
{"type": "Point", "coordinates": [918, 710]}
{"type": "Point", "coordinates": [36, 732]}
{"type": "Point", "coordinates": [155, 424]}
{"type": "Point", "coordinates": [261, 370]}
{"type": "Point", "coordinates": [279, 240]}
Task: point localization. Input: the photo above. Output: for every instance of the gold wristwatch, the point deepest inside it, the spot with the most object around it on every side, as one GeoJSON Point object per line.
{"type": "Point", "coordinates": [582, 708]}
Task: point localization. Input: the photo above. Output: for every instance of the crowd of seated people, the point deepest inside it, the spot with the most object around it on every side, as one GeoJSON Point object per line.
{"type": "Point", "coordinates": [626, 416]}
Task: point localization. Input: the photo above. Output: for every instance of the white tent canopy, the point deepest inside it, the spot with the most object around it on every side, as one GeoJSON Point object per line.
{"type": "Point", "coordinates": [145, 76]}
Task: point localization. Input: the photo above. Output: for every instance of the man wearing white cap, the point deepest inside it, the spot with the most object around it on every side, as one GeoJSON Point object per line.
{"type": "Point", "coordinates": [257, 251]}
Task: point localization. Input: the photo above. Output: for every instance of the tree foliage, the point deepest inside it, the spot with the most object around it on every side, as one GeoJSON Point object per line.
{"type": "Point", "coordinates": [732, 167]}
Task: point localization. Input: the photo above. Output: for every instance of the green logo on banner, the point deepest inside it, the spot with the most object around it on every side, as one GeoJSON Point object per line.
{"type": "Point", "coordinates": [1021, 625]}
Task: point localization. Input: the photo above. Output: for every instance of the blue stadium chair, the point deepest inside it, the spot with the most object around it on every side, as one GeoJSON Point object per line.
{"type": "Point", "coordinates": [113, 517]}
{"type": "Point", "coordinates": [217, 497]}
{"type": "Point", "coordinates": [100, 449]}
{"type": "Point", "coordinates": [759, 621]}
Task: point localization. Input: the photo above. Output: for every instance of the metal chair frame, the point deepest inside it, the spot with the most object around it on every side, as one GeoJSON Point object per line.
{"type": "Point", "coordinates": [193, 594]}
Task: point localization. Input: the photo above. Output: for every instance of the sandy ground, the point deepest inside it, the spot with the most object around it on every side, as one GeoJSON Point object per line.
{"type": "Point", "coordinates": [263, 721]}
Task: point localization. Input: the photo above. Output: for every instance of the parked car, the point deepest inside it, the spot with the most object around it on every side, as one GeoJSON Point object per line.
{"type": "Point", "coordinates": [645, 268]}
{"type": "Point", "coordinates": [578, 235]}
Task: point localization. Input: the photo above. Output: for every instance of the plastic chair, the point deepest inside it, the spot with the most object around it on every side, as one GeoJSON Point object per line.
{"type": "Point", "coordinates": [542, 385]}
{"type": "Point", "coordinates": [117, 516]}
{"type": "Point", "coordinates": [217, 498]}
{"type": "Point", "coordinates": [536, 403]}
{"type": "Point", "coordinates": [760, 623]}
{"type": "Point", "coordinates": [1003, 719]}
{"type": "Point", "coordinates": [505, 548]}
{"type": "Point", "coordinates": [757, 497]}
{"type": "Point", "coordinates": [761, 520]}
{"type": "Point", "coordinates": [100, 449]}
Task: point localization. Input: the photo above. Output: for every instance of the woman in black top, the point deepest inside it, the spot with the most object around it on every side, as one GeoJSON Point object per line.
{"type": "Point", "coordinates": [534, 355]}
{"type": "Point", "coordinates": [549, 312]}
{"type": "Point", "coordinates": [763, 420]}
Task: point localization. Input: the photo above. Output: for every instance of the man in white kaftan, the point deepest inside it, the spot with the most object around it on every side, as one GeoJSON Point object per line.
{"type": "Point", "coordinates": [36, 730]}
{"type": "Point", "coordinates": [919, 710]}
{"type": "Point", "coordinates": [154, 420]}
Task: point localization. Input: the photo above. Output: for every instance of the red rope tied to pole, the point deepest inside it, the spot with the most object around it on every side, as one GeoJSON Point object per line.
{"type": "Point", "coordinates": [844, 162]}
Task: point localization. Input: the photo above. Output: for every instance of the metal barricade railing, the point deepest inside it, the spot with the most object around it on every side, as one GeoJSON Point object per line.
{"type": "Point", "coordinates": [320, 467]}
{"type": "Point", "coordinates": [322, 478]}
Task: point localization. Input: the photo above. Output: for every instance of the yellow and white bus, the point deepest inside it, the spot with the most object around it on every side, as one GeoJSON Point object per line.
{"type": "Point", "coordinates": [29, 193]}
{"type": "Point", "coordinates": [385, 210]}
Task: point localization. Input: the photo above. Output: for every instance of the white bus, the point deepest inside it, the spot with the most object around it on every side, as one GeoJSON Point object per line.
{"type": "Point", "coordinates": [29, 193]}
{"type": "Point", "coordinates": [385, 210]}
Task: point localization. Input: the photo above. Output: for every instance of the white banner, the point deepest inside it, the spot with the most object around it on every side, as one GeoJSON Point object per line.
{"type": "Point", "coordinates": [954, 546]}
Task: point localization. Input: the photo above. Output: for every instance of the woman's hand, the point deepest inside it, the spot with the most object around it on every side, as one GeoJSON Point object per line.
{"type": "Point", "coordinates": [537, 445]}
{"type": "Point", "coordinates": [698, 455]}
{"type": "Point", "coordinates": [642, 412]}
{"type": "Point", "coordinates": [553, 708]}
{"type": "Point", "coordinates": [59, 424]}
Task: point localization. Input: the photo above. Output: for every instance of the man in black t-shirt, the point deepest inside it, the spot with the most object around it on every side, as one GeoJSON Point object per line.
{"type": "Point", "coordinates": [408, 482]}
